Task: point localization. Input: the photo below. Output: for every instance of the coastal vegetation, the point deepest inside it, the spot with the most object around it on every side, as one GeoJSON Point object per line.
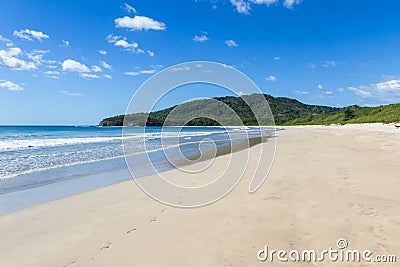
{"type": "Point", "coordinates": [286, 111]}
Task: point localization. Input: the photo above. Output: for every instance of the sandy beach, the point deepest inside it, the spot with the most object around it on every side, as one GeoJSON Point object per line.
{"type": "Point", "coordinates": [326, 183]}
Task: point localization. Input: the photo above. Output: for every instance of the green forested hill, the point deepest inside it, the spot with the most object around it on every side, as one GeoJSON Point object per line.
{"type": "Point", "coordinates": [286, 111]}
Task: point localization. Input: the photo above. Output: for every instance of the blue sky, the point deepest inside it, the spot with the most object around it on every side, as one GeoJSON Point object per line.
{"type": "Point", "coordinates": [75, 62]}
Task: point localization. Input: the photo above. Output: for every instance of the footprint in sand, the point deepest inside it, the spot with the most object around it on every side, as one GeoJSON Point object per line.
{"type": "Point", "coordinates": [107, 245]}
{"type": "Point", "coordinates": [153, 219]}
{"type": "Point", "coordinates": [130, 231]}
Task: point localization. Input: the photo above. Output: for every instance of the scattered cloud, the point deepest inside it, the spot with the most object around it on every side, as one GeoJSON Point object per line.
{"type": "Point", "coordinates": [107, 76]}
{"type": "Point", "coordinates": [64, 43]}
{"type": "Point", "coordinates": [9, 58]}
{"type": "Point", "coordinates": [264, 2]}
{"type": "Point", "coordinates": [120, 41]}
{"type": "Point", "coordinates": [96, 68]}
{"type": "Point", "coordinates": [135, 73]}
{"type": "Point", "coordinates": [201, 38]}
{"type": "Point", "coordinates": [5, 40]}
{"type": "Point", "coordinates": [70, 93]}
{"type": "Point", "coordinates": [388, 91]}
{"type": "Point", "coordinates": [89, 76]}
{"type": "Point", "coordinates": [328, 92]}
{"type": "Point", "coordinates": [297, 92]}
{"type": "Point", "coordinates": [320, 86]}
{"type": "Point", "coordinates": [231, 43]}
{"type": "Point", "coordinates": [105, 65]}
{"type": "Point", "coordinates": [241, 6]}
{"type": "Point", "coordinates": [277, 58]}
{"type": "Point", "coordinates": [103, 52]}
{"type": "Point", "coordinates": [10, 86]}
{"type": "Point", "coordinates": [74, 66]}
{"type": "Point", "coordinates": [30, 35]}
{"type": "Point", "coordinates": [37, 56]}
{"type": "Point", "coordinates": [271, 78]}
{"type": "Point", "coordinates": [180, 68]}
{"type": "Point", "coordinates": [52, 74]}
{"type": "Point", "coordinates": [130, 9]}
{"type": "Point", "coordinates": [329, 63]}
{"type": "Point", "coordinates": [290, 3]}
{"type": "Point", "coordinates": [139, 23]}
{"type": "Point", "coordinates": [360, 91]}
{"type": "Point", "coordinates": [244, 6]}
{"type": "Point", "coordinates": [151, 53]}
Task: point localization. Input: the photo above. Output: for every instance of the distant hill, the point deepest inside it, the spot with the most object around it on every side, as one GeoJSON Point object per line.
{"type": "Point", "coordinates": [284, 110]}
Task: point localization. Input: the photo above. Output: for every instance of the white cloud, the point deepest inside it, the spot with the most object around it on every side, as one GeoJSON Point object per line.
{"type": "Point", "coordinates": [10, 86]}
{"type": "Point", "coordinates": [301, 92]}
{"type": "Point", "coordinates": [328, 92]}
{"type": "Point", "coordinates": [241, 6]}
{"type": "Point", "coordinates": [264, 2]}
{"type": "Point", "coordinates": [120, 41]}
{"type": "Point", "coordinates": [130, 8]}
{"type": "Point", "coordinates": [30, 35]}
{"type": "Point", "coordinates": [112, 38]}
{"type": "Point", "coordinates": [52, 74]}
{"type": "Point", "coordinates": [8, 42]}
{"type": "Point", "coordinates": [107, 76]}
{"type": "Point", "coordinates": [359, 91]}
{"type": "Point", "coordinates": [74, 66]}
{"type": "Point", "coordinates": [277, 58]}
{"type": "Point", "coordinates": [89, 76]}
{"type": "Point", "coordinates": [244, 6]}
{"type": "Point", "coordinates": [388, 86]}
{"type": "Point", "coordinates": [231, 43]}
{"type": "Point", "coordinates": [103, 52]}
{"type": "Point", "coordinates": [329, 63]}
{"type": "Point", "coordinates": [135, 73]}
{"type": "Point", "coordinates": [96, 68]}
{"type": "Point", "coordinates": [180, 68]}
{"type": "Point", "coordinates": [290, 3]}
{"type": "Point", "coordinates": [9, 59]}
{"type": "Point", "coordinates": [105, 65]}
{"type": "Point", "coordinates": [151, 53]}
{"type": "Point", "coordinates": [200, 38]}
{"type": "Point", "coordinates": [70, 93]}
{"type": "Point", "coordinates": [139, 23]}
{"type": "Point", "coordinates": [320, 86]}
{"type": "Point", "coordinates": [37, 56]}
{"type": "Point", "coordinates": [64, 43]}
{"type": "Point", "coordinates": [271, 78]}
{"type": "Point", "coordinates": [388, 91]}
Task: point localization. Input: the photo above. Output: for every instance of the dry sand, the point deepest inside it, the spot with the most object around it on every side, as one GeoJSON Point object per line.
{"type": "Point", "coordinates": [326, 183]}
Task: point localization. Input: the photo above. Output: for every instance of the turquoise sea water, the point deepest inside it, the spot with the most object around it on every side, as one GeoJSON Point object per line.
{"type": "Point", "coordinates": [33, 156]}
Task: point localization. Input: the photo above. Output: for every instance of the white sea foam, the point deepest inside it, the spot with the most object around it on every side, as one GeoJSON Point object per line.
{"type": "Point", "coordinates": [35, 143]}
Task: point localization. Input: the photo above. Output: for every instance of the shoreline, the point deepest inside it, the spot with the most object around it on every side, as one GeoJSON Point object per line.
{"type": "Point", "coordinates": [33, 195]}
{"type": "Point", "coordinates": [327, 182]}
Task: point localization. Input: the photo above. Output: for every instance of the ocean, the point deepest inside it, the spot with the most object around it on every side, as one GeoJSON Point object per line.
{"type": "Point", "coordinates": [36, 156]}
